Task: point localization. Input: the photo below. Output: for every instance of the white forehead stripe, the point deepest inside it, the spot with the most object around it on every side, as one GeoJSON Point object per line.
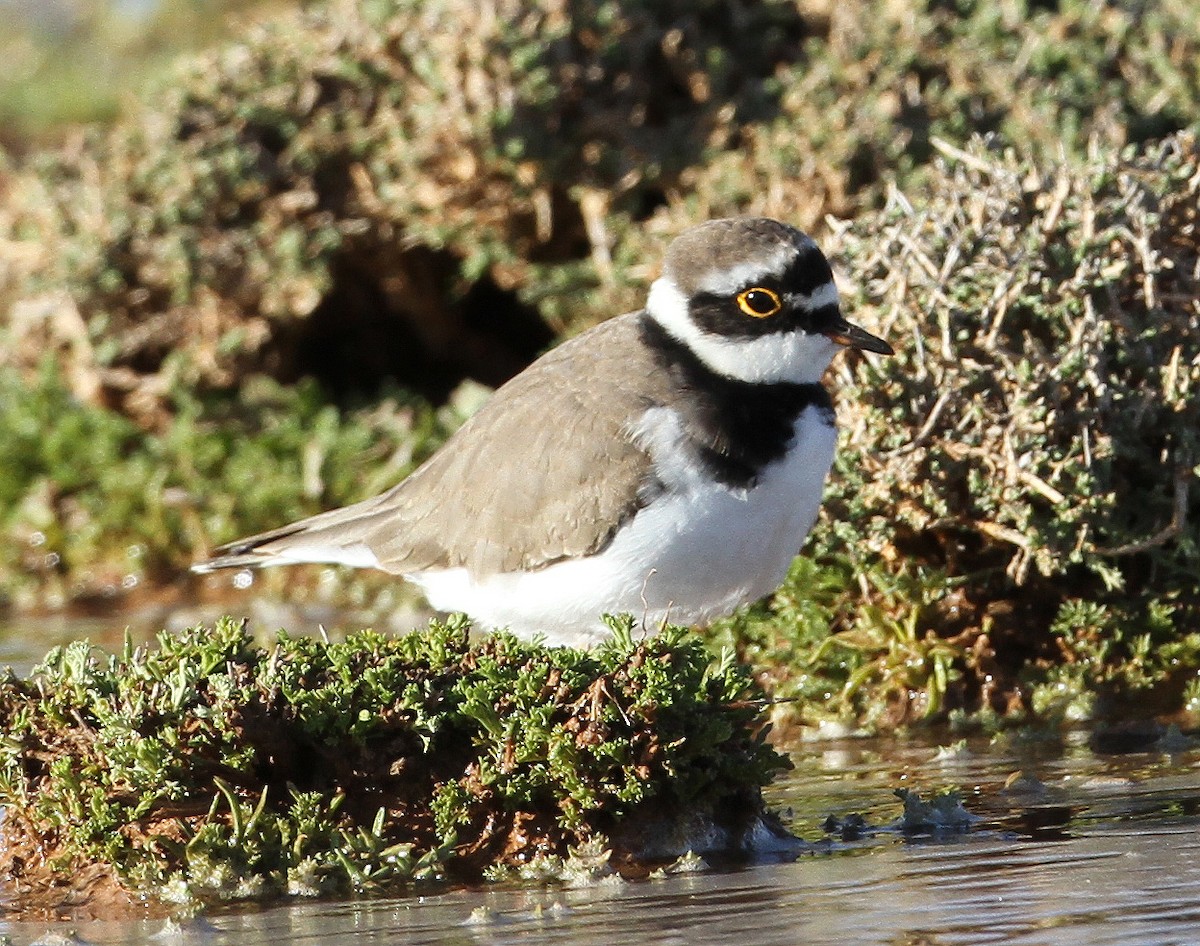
{"type": "Point", "coordinates": [726, 282]}
{"type": "Point", "coordinates": [794, 357]}
{"type": "Point", "coordinates": [765, 267]}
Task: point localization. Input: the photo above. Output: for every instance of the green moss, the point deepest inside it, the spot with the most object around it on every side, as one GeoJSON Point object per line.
{"type": "Point", "coordinates": [209, 765]}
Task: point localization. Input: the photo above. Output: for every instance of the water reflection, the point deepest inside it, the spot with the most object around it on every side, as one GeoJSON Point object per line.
{"type": "Point", "coordinates": [25, 641]}
{"type": "Point", "coordinates": [23, 646]}
{"type": "Point", "coordinates": [1108, 886]}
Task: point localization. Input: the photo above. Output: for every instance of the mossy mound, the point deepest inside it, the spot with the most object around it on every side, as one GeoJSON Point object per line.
{"type": "Point", "coordinates": [425, 190]}
{"type": "Point", "coordinates": [1014, 520]}
{"type": "Point", "coordinates": [212, 767]}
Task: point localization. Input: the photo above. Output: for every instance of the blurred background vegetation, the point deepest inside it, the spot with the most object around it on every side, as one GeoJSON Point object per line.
{"type": "Point", "coordinates": [72, 61]}
{"type": "Point", "coordinates": [270, 275]}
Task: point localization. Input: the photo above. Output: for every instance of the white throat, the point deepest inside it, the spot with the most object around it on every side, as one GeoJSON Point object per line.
{"type": "Point", "coordinates": [793, 357]}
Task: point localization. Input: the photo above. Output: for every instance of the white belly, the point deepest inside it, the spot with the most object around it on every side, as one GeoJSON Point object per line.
{"type": "Point", "coordinates": [692, 555]}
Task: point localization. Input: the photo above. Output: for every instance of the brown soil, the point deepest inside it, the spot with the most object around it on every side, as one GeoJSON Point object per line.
{"type": "Point", "coordinates": [40, 887]}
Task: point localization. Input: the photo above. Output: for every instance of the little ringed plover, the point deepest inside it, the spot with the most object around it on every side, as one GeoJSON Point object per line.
{"type": "Point", "coordinates": [668, 462]}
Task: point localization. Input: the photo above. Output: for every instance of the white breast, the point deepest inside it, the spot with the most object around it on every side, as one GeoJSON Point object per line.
{"type": "Point", "coordinates": [693, 554]}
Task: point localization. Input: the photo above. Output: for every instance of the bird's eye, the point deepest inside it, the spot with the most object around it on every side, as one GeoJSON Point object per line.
{"type": "Point", "coordinates": [758, 302]}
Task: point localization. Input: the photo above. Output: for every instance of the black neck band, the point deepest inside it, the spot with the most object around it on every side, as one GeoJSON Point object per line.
{"type": "Point", "coordinates": [737, 427]}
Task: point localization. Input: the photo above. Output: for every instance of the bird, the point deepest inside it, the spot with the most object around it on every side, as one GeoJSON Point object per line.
{"type": "Point", "coordinates": [667, 463]}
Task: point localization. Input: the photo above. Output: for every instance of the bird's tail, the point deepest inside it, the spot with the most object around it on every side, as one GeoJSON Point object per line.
{"type": "Point", "coordinates": [337, 537]}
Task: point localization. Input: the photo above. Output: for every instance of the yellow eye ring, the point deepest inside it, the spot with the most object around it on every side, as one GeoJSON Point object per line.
{"type": "Point", "coordinates": [759, 302]}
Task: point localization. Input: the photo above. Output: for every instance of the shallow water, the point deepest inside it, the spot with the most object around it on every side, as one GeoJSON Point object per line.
{"type": "Point", "coordinates": [1089, 848]}
{"type": "Point", "coordinates": [1101, 850]}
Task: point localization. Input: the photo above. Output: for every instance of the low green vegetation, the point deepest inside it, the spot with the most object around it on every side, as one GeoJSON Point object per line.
{"type": "Point", "coordinates": [92, 505]}
{"type": "Point", "coordinates": [210, 766]}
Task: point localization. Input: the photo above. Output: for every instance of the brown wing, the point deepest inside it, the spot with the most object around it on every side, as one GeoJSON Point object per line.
{"type": "Point", "coordinates": [546, 470]}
